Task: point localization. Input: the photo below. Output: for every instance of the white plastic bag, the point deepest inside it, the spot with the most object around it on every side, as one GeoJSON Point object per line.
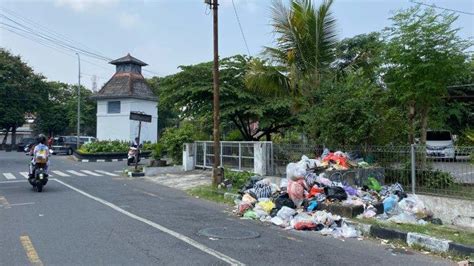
{"type": "Point", "coordinates": [403, 218]}
{"type": "Point", "coordinates": [286, 213]}
{"type": "Point", "coordinates": [277, 221]}
{"type": "Point", "coordinates": [283, 183]}
{"type": "Point", "coordinates": [348, 231]}
{"type": "Point", "coordinates": [295, 171]}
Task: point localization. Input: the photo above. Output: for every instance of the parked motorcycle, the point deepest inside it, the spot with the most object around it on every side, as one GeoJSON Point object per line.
{"type": "Point", "coordinates": [40, 178]}
{"type": "Point", "coordinates": [133, 156]}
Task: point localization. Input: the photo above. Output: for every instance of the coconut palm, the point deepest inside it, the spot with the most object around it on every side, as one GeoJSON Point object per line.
{"type": "Point", "coordinates": [305, 43]}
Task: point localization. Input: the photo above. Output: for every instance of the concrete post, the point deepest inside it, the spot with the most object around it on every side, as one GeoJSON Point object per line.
{"type": "Point", "coordinates": [413, 169]}
{"type": "Point", "coordinates": [188, 157]}
{"type": "Point", "coordinates": [259, 158]}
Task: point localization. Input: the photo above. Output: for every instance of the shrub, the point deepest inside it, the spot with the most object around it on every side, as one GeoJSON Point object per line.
{"type": "Point", "coordinates": [435, 179]}
{"type": "Point", "coordinates": [173, 140]}
{"type": "Point", "coordinates": [105, 146]}
{"type": "Point", "coordinates": [157, 151]}
{"type": "Point", "coordinates": [238, 179]}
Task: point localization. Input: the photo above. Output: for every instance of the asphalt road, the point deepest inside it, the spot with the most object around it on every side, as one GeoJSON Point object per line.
{"type": "Point", "coordinates": [104, 220]}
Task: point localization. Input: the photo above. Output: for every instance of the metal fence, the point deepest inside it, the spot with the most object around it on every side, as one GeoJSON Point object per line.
{"type": "Point", "coordinates": [448, 172]}
{"type": "Point", "coordinates": [235, 155]}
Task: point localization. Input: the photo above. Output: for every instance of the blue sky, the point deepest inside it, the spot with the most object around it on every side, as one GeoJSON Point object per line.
{"type": "Point", "coordinates": [169, 33]}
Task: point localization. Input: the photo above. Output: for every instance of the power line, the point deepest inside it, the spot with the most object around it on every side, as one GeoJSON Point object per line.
{"type": "Point", "coordinates": [448, 9]}
{"type": "Point", "coordinates": [50, 38]}
{"type": "Point", "coordinates": [240, 26]}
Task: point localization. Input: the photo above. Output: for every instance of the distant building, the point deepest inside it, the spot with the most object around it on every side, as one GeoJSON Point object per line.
{"type": "Point", "coordinates": [126, 91]}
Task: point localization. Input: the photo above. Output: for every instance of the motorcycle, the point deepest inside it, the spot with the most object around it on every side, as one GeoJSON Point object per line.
{"type": "Point", "coordinates": [40, 178]}
{"type": "Point", "coordinates": [132, 156]}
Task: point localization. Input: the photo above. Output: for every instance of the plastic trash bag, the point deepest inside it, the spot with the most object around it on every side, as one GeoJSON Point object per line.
{"type": "Point", "coordinates": [403, 218]}
{"type": "Point", "coordinates": [249, 199]}
{"type": "Point", "coordinates": [312, 206]}
{"type": "Point", "coordinates": [295, 171]}
{"type": "Point", "coordinates": [250, 214]}
{"type": "Point", "coordinates": [284, 183]}
{"type": "Point", "coordinates": [390, 203]}
{"type": "Point", "coordinates": [413, 205]}
{"type": "Point", "coordinates": [267, 206]}
{"type": "Point", "coordinates": [296, 191]}
{"type": "Point", "coordinates": [284, 200]}
{"type": "Point", "coordinates": [315, 190]}
{"type": "Point", "coordinates": [373, 184]}
{"type": "Point", "coordinates": [243, 207]}
{"type": "Point", "coordinates": [323, 180]}
{"type": "Point", "coordinates": [277, 220]}
{"type": "Point", "coordinates": [350, 190]}
{"type": "Point", "coordinates": [286, 213]}
{"type": "Point", "coordinates": [335, 193]}
{"type": "Point", "coordinates": [305, 225]}
{"type": "Point", "coordinates": [348, 231]}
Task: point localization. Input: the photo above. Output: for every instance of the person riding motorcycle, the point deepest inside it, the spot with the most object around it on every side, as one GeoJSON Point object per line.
{"type": "Point", "coordinates": [40, 154]}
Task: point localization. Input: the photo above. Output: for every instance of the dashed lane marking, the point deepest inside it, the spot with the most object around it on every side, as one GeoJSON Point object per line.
{"type": "Point", "coordinates": [59, 173]}
{"type": "Point", "coordinates": [163, 229]}
{"type": "Point", "coordinates": [9, 176]}
{"type": "Point", "coordinates": [24, 174]}
{"type": "Point", "coordinates": [75, 173]}
{"type": "Point", "coordinates": [90, 173]}
{"type": "Point", "coordinates": [30, 250]}
{"type": "Point", "coordinates": [106, 173]}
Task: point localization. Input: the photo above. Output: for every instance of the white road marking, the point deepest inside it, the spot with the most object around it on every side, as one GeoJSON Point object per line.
{"type": "Point", "coordinates": [13, 181]}
{"type": "Point", "coordinates": [90, 173]}
{"type": "Point", "coordinates": [101, 161]}
{"type": "Point", "coordinates": [59, 173]}
{"type": "Point", "coordinates": [114, 160]}
{"type": "Point", "coordinates": [75, 173]}
{"type": "Point", "coordinates": [105, 173]}
{"type": "Point", "coordinates": [177, 235]}
{"type": "Point", "coordinates": [85, 161]}
{"type": "Point", "coordinates": [24, 174]}
{"type": "Point", "coordinates": [118, 171]}
{"type": "Point", "coordinates": [9, 176]}
{"type": "Point", "coordinates": [22, 204]}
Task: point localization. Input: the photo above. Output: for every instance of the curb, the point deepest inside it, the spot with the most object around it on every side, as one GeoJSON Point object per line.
{"type": "Point", "coordinates": [411, 238]}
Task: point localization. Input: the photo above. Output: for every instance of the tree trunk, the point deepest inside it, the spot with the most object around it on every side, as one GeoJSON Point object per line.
{"type": "Point", "coordinates": [269, 136]}
{"type": "Point", "coordinates": [411, 119]}
{"type": "Point", "coordinates": [4, 142]}
{"type": "Point", "coordinates": [14, 136]}
{"type": "Point", "coordinates": [424, 124]}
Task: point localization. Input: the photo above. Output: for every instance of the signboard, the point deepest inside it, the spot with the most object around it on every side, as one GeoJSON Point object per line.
{"type": "Point", "coordinates": [138, 116]}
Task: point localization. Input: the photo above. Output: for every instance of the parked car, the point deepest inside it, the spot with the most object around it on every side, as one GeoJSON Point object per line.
{"type": "Point", "coordinates": [67, 144]}
{"type": "Point", "coordinates": [440, 144]}
{"type": "Point", "coordinates": [25, 143]}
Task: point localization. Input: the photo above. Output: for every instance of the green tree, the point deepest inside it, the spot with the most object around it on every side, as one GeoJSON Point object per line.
{"type": "Point", "coordinates": [51, 118]}
{"type": "Point", "coordinates": [424, 55]}
{"type": "Point", "coordinates": [21, 92]}
{"type": "Point", "coordinates": [167, 114]}
{"type": "Point", "coordinates": [190, 92]}
{"type": "Point", "coordinates": [305, 44]}
{"type": "Point", "coordinates": [88, 111]}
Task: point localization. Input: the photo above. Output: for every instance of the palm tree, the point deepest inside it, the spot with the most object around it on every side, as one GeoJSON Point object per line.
{"type": "Point", "coordinates": [305, 43]}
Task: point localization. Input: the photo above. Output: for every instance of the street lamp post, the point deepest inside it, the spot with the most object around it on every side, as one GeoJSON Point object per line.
{"type": "Point", "coordinates": [78, 103]}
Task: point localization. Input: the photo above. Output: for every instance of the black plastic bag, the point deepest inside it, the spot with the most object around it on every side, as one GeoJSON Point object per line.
{"type": "Point", "coordinates": [284, 200]}
{"type": "Point", "coordinates": [335, 193]}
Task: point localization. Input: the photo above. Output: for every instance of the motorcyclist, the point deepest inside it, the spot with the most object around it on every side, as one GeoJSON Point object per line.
{"type": "Point", "coordinates": [39, 153]}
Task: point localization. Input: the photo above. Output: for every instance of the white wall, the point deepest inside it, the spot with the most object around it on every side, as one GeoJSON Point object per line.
{"type": "Point", "coordinates": [119, 126]}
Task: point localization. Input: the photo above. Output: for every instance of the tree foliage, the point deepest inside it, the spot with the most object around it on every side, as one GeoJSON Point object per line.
{"type": "Point", "coordinates": [190, 92]}
{"type": "Point", "coordinates": [424, 53]}
{"type": "Point", "coordinates": [21, 91]}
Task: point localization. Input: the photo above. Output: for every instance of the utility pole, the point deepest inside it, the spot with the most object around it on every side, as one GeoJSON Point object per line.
{"type": "Point", "coordinates": [216, 169]}
{"type": "Point", "coordinates": [79, 103]}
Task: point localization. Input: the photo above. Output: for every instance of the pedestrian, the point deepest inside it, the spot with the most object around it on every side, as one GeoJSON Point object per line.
{"type": "Point", "coordinates": [50, 141]}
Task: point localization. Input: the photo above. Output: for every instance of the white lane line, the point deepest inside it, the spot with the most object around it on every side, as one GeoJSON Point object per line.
{"type": "Point", "coordinates": [75, 173]}
{"type": "Point", "coordinates": [24, 174]}
{"type": "Point", "coordinates": [118, 171]}
{"type": "Point", "coordinates": [13, 181]}
{"type": "Point", "coordinates": [105, 173]}
{"type": "Point", "coordinates": [177, 235]}
{"type": "Point", "coordinates": [9, 176]}
{"type": "Point", "coordinates": [59, 173]}
{"type": "Point", "coordinates": [22, 204]}
{"type": "Point", "coordinates": [90, 173]}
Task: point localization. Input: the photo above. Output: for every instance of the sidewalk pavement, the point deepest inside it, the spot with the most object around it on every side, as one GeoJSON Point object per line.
{"type": "Point", "coordinates": [175, 177]}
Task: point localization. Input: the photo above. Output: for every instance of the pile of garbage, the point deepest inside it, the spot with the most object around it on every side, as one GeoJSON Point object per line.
{"type": "Point", "coordinates": [296, 203]}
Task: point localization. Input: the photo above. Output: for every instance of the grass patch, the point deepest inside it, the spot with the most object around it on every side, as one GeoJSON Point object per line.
{"type": "Point", "coordinates": [440, 231]}
{"type": "Point", "coordinates": [211, 193]}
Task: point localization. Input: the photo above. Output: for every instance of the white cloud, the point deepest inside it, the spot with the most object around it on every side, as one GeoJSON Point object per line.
{"type": "Point", "coordinates": [128, 21]}
{"type": "Point", "coordinates": [82, 5]}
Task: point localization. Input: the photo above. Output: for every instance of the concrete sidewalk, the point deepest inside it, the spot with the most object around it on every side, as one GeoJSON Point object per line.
{"type": "Point", "coordinates": [175, 177]}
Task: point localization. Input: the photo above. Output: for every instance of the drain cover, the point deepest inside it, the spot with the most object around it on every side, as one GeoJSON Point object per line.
{"type": "Point", "coordinates": [228, 233]}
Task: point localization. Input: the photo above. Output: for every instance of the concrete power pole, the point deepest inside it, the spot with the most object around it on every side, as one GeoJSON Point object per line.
{"type": "Point", "coordinates": [216, 169]}
{"type": "Point", "coordinates": [78, 103]}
